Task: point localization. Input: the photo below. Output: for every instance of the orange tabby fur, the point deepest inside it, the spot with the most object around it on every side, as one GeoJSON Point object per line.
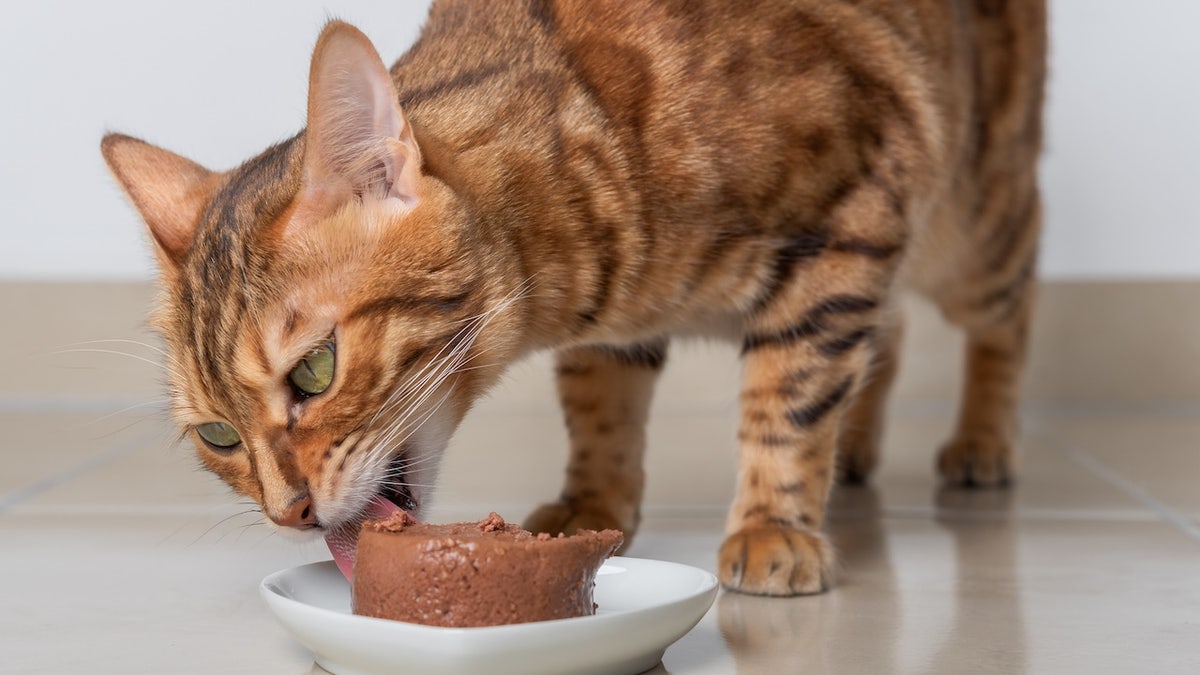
{"type": "Point", "coordinates": [594, 177]}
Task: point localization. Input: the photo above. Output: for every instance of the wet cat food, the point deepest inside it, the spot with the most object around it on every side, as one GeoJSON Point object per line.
{"type": "Point", "coordinates": [487, 573]}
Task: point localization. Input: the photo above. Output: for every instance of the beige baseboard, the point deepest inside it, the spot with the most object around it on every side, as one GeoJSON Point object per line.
{"type": "Point", "coordinates": [1124, 343]}
{"type": "Point", "coordinates": [1093, 343]}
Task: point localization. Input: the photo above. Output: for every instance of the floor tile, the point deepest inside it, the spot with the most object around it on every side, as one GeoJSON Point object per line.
{"type": "Point", "coordinates": [41, 450]}
{"type": "Point", "coordinates": [1156, 455]}
{"type": "Point", "coordinates": [145, 594]}
{"type": "Point", "coordinates": [1049, 481]}
{"type": "Point", "coordinates": [919, 596]}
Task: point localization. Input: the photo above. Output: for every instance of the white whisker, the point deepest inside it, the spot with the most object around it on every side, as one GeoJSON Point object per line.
{"type": "Point", "coordinates": [135, 406]}
{"type": "Point", "coordinates": [156, 364]}
{"type": "Point", "coordinates": [407, 406]}
{"type": "Point", "coordinates": [116, 341]}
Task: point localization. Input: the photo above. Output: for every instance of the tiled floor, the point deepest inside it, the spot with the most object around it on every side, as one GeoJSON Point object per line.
{"type": "Point", "coordinates": [119, 556]}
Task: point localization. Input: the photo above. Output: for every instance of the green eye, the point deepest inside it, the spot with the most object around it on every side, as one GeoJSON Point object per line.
{"type": "Point", "coordinates": [314, 373]}
{"type": "Point", "coordinates": [219, 434]}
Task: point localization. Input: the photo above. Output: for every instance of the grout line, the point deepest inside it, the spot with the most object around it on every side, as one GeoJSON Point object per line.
{"type": "Point", "coordinates": [7, 501]}
{"type": "Point", "coordinates": [1131, 489]}
{"type": "Point", "coordinates": [998, 515]}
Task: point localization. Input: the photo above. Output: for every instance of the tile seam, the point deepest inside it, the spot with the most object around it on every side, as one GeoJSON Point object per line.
{"type": "Point", "coordinates": [1132, 490]}
{"type": "Point", "coordinates": [104, 458]}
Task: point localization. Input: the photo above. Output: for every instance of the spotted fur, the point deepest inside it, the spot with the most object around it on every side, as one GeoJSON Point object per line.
{"type": "Point", "coordinates": [594, 178]}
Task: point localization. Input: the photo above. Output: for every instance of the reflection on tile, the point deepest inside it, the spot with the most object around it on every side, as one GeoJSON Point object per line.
{"type": "Point", "coordinates": [982, 597]}
{"type": "Point", "coordinates": [907, 480]}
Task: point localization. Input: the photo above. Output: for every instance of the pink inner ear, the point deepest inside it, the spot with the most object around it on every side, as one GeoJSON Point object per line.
{"type": "Point", "coordinates": [403, 171]}
{"type": "Point", "coordinates": [358, 141]}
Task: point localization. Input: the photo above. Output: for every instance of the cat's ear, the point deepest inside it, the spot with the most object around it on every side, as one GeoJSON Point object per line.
{"type": "Point", "coordinates": [168, 190]}
{"type": "Point", "coordinates": [358, 141]}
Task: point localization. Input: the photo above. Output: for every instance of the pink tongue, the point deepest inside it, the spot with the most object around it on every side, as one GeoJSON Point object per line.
{"type": "Point", "coordinates": [342, 544]}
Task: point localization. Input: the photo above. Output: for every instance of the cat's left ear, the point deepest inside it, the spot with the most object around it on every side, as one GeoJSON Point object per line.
{"type": "Point", "coordinates": [358, 141]}
{"type": "Point", "coordinates": [168, 190]}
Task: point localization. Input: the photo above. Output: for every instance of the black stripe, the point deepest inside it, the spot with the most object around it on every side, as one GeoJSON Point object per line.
{"type": "Point", "coordinates": [845, 343]}
{"type": "Point", "coordinates": [797, 249]}
{"type": "Point", "coordinates": [811, 414]}
{"type": "Point", "coordinates": [573, 370]}
{"type": "Point", "coordinates": [646, 355]}
{"type": "Point", "coordinates": [812, 323]}
{"type": "Point", "coordinates": [865, 248]}
{"type": "Point", "coordinates": [843, 188]}
{"type": "Point", "coordinates": [412, 357]}
{"type": "Point", "coordinates": [878, 95]}
{"type": "Point", "coordinates": [598, 236]}
{"type": "Point", "coordinates": [1007, 236]}
{"type": "Point", "coordinates": [804, 329]}
{"type": "Point", "coordinates": [253, 460]}
{"type": "Point", "coordinates": [1010, 291]}
{"type": "Point", "coordinates": [714, 252]}
{"type": "Point", "coordinates": [606, 267]}
{"type": "Point", "coordinates": [463, 80]}
{"type": "Point", "coordinates": [895, 198]}
{"type": "Point", "coordinates": [542, 12]}
{"type": "Point", "coordinates": [439, 304]}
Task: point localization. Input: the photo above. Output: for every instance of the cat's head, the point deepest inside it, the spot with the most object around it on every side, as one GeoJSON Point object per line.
{"type": "Point", "coordinates": [328, 312]}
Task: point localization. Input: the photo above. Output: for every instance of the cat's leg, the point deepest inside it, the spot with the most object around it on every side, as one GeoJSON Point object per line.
{"type": "Point", "coordinates": [605, 394]}
{"type": "Point", "coordinates": [806, 356]}
{"type": "Point", "coordinates": [862, 428]}
{"type": "Point", "coordinates": [995, 312]}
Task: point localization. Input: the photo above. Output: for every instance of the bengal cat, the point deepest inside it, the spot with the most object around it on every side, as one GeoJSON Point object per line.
{"type": "Point", "coordinates": [594, 177]}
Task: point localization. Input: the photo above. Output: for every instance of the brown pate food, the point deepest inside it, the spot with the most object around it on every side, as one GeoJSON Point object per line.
{"type": "Point", "coordinates": [487, 573]}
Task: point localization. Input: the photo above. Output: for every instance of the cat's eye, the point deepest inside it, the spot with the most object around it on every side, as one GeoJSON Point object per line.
{"type": "Point", "coordinates": [219, 435]}
{"type": "Point", "coordinates": [314, 373]}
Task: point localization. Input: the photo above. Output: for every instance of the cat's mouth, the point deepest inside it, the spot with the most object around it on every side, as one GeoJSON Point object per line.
{"type": "Point", "coordinates": [393, 497]}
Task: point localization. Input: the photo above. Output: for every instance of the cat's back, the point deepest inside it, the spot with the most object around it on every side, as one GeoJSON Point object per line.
{"type": "Point", "coordinates": [762, 114]}
{"type": "Point", "coordinates": [736, 103]}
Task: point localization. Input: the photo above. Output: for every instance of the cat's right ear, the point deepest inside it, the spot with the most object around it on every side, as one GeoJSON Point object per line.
{"type": "Point", "coordinates": [358, 141]}
{"type": "Point", "coordinates": [168, 191]}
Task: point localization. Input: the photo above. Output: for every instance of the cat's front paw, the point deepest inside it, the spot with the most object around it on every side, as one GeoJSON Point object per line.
{"type": "Point", "coordinates": [556, 517]}
{"type": "Point", "coordinates": [977, 461]}
{"type": "Point", "coordinates": [775, 560]}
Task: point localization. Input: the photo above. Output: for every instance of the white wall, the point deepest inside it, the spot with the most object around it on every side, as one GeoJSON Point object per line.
{"type": "Point", "coordinates": [1122, 166]}
{"type": "Point", "coordinates": [216, 81]}
{"type": "Point", "coordinates": [219, 80]}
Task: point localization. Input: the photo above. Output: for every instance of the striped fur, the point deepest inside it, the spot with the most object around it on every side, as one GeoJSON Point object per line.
{"type": "Point", "coordinates": [595, 177]}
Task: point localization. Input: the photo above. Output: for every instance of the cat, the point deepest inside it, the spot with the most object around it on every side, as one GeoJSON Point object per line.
{"type": "Point", "coordinates": [595, 177]}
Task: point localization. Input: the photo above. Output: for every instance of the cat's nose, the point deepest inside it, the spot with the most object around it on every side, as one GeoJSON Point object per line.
{"type": "Point", "coordinates": [298, 514]}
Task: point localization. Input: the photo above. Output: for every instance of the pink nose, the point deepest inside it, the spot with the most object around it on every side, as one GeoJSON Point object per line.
{"type": "Point", "coordinates": [299, 514]}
